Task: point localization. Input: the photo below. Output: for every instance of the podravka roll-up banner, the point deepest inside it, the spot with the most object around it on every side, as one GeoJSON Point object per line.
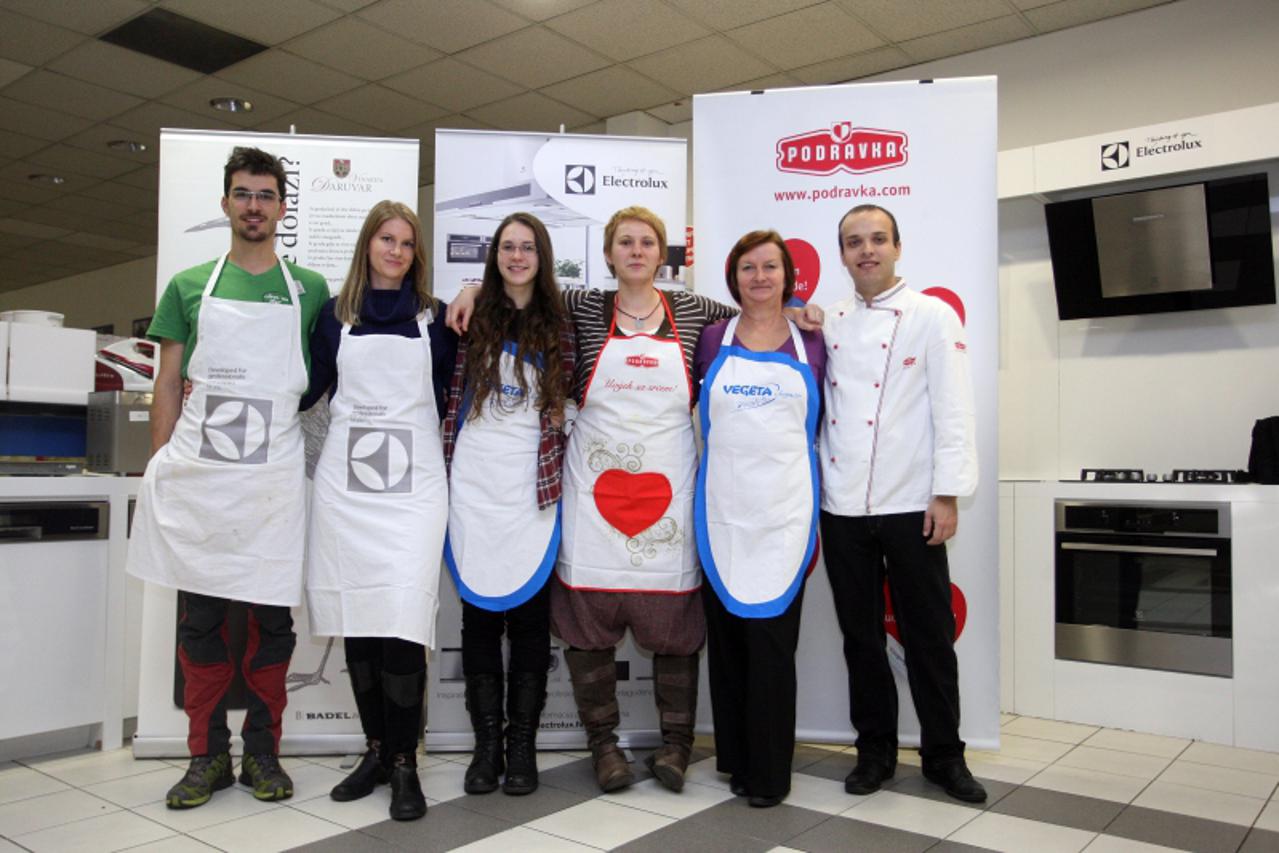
{"type": "Point", "coordinates": [331, 182]}
{"type": "Point", "coordinates": [796, 160]}
{"type": "Point", "coordinates": [573, 183]}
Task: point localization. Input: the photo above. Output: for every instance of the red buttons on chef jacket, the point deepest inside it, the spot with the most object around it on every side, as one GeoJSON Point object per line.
{"type": "Point", "coordinates": [832, 421]}
{"type": "Point", "coordinates": [876, 384]}
{"type": "Point", "coordinates": [835, 346]}
{"type": "Point", "coordinates": [870, 423]}
{"type": "Point", "coordinates": [883, 346]}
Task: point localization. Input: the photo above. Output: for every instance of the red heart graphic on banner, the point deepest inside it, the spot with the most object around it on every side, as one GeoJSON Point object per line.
{"type": "Point", "coordinates": [632, 503]}
{"type": "Point", "coordinates": [958, 604]}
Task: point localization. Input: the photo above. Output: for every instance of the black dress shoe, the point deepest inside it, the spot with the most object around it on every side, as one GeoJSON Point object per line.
{"type": "Point", "coordinates": [367, 775]}
{"type": "Point", "coordinates": [766, 802]}
{"type": "Point", "coordinates": [407, 802]}
{"type": "Point", "coordinates": [737, 784]}
{"type": "Point", "coordinates": [868, 776]}
{"type": "Point", "coordinates": [956, 780]}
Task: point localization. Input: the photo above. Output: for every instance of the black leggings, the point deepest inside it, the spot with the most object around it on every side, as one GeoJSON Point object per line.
{"type": "Point", "coordinates": [388, 676]}
{"type": "Point", "coordinates": [528, 627]}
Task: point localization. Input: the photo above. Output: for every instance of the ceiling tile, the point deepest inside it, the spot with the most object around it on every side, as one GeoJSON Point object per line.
{"type": "Point", "coordinates": [25, 228]}
{"type": "Point", "coordinates": [348, 5]}
{"type": "Point", "coordinates": [38, 121]}
{"type": "Point", "coordinates": [612, 91]}
{"type": "Point", "coordinates": [122, 70]}
{"type": "Point", "coordinates": [147, 178]}
{"type": "Point", "coordinates": [625, 29]}
{"type": "Point", "coordinates": [71, 221]}
{"type": "Point", "coordinates": [357, 47]}
{"type": "Point", "coordinates": [9, 242]}
{"type": "Point", "coordinates": [597, 128]}
{"type": "Point", "coordinates": [380, 107]}
{"type": "Point", "coordinates": [313, 121]}
{"type": "Point", "coordinates": [453, 85]}
{"type": "Point", "coordinates": [97, 241]}
{"type": "Point", "coordinates": [16, 187]}
{"type": "Point", "coordinates": [95, 207]}
{"type": "Point", "coordinates": [533, 57]}
{"type": "Point", "coordinates": [810, 35]}
{"type": "Point", "coordinates": [540, 10]}
{"type": "Point", "coordinates": [447, 25]}
{"type": "Point", "coordinates": [700, 66]}
{"type": "Point", "coordinates": [123, 193]}
{"type": "Point", "coordinates": [674, 113]}
{"type": "Point", "coordinates": [965, 39]}
{"type": "Point", "coordinates": [16, 145]}
{"type": "Point", "coordinates": [10, 71]}
{"type": "Point", "coordinates": [195, 99]}
{"type": "Point", "coordinates": [91, 18]}
{"type": "Point", "coordinates": [852, 67]}
{"type": "Point", "coordinates": [33, 42]}
{"type": "Point", "coordinates": [70, 95]}
{"type": "Point", "coordinates": [772, 81]}
{"type": "Point", "coordinates": [530, 111]}
{"type": "Point", "coordinates": [726, 14]}
{"type": "Point", "coordinates": [425, 132]}
{"type": "Point", "coordinates": [1032, 4]}
{"type": "Point", "coordinates": [95, 139]}
{"type": "Point", "coordinates": [278, 21]}
{"type": "Point", "coordinates": [20, 171]}
{"type": "Point", "coordinates": [124, 231]}
{"type": "Point", "coordinates": [907, 19]}
{"type": "Point", "coordinates": [69, 160]}
{"type": "Point", "coordinates": [153, 115]}
{"type": "Point", "coordinates": [290, 77]}
{"type": "Point", "coordinates": [1072, 13]}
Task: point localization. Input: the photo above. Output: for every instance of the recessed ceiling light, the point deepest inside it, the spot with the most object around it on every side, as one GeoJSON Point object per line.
{"type": "Point", "coordinates": [231, 105]}
{"type": "Point", "coordinates": [132, 146]}
{"type": "Point", "coordinates": [47, 179]}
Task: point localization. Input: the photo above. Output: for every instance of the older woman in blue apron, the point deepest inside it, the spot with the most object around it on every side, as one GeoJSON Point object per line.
{"type": "Point", "coordinates": [756, 512]}
{"type": "Point", "coordinates": [382, 353]}
{"type": "Point", "coordinates": [504, 444]}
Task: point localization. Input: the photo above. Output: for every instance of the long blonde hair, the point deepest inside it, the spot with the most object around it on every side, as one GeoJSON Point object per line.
{"type": "Point", "coordinates": [351, 297]}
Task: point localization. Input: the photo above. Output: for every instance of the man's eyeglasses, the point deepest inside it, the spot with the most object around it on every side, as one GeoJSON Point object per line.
{"type": "Point", "coordinates": [512, 248]}
{"type": "Point", "coordinates": [241, 196]}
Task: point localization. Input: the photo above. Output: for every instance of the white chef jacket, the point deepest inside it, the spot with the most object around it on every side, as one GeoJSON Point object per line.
{"type": "Point", "coordinates": [899, 425]}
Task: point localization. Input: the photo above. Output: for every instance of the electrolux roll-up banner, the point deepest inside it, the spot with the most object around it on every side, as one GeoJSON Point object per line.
{"type": "Point", "coordinates": [573, 183]}
{"type": "Point", "coordinates": [332, 181]}
{"type": "Point", "coordinates": [796, 160]}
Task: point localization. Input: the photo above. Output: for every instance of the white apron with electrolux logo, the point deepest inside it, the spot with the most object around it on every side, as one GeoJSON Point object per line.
{"type": "Point", "coordinates": [500, 546]}
{"type": "Point", "coordinates": [222, 506]}
{"type": "Point", "coordinates": [380, 502]}
{"type": "Point", "coordinates": [629, 471]}
{"type": "Point", "coordinates": [757, 500]}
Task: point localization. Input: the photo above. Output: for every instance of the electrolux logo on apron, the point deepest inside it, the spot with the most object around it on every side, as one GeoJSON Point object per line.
{"type": "Point", "coordinates": [236, 430]}
{"type": "Point", "coordinates": [379, 460]}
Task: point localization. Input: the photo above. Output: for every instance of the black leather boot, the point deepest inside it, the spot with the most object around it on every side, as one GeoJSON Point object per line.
{"type": "Point", "coordinates": [484, 702]}
{"type": "Point", "coordinates": [366, 776]}
{"type": "Point", "coordinates": [407, 802]}
{"type": "Point", "coordinates": [525, 698]}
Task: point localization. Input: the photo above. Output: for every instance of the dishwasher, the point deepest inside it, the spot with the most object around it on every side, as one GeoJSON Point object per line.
{"type": "Point", "coordinates": [53, 591]}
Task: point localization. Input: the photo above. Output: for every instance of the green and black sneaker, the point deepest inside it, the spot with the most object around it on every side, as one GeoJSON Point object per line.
{"type": "Point", "coordinates": [262, 772]}
{"type": "Point", "coordinates": [206, 774]}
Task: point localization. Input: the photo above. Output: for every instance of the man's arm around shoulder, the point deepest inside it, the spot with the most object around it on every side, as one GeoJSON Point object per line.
{"type": "Point", "coordinates": [166, 401]}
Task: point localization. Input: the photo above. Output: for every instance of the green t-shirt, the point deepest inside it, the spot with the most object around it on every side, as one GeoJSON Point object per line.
{"type": "Point", "coordinates": [175, 316]}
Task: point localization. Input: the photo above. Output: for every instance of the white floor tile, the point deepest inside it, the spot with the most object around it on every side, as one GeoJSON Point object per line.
{"type": "Point", "coordinates": [1088, 783]}
{"type": "Point", "coordinates": [7, 846]}
{"type": "Point", "coordinates": [651, 796]}
{"type": "Point", "coordinates": [526, 841]}
{"type": "Point", "coordinates": [599, 824]}
{"type": "Point", "coordinates": [1269, 817]}
{"type": "Point", "coordinates": [49, 810]}
{"type": "Point", "coordinates": [133, 791]}
{"type": "Point", "coordinates": [551, 760]}
{"type": "Point", "coordinates": [1161, 745]}
{"type": "Point", "coordinates": [1230, 756]}
{"type": "Point", "coordinates": [232, 804]}
{"type": "Point", "coordinates": [1112, 844]}
{"type": "Point", "coordinates": [83, 769]}
{"type": "Point", "coordinates": [704, 773]}
{"type": "Point", "coordinates": [1048, 730]}
{"type": "Point", "coordinates": [23, 783]}
{"type": "Point", "coordinates": [443, 782]}
{"type": "Point", "coordinates": [355, 814]}
{"type": "Point", "coordinates": [819, 795]}
{"type": "Point", "coordinates": [313, 780]}
{"type": "Point", "coordinates": [912, 814]}
{"type": "Point", "coordinates": [1005, 719]}
{"type": "Point", "coordinates": [116, 831]}
{"type": "Point", "coordinates": [276, 830]}
{"type": "Point", "coordinates": [1002, 768]}
{"type": "Point", "coordinates": [1197, 802]}
{"type": "Point", "coordinates": [174, 844]}
{"type": "Point", "coordinates": [1031, 749]}
{"type": "Point", "coordinates": [1114, 761]}
{"type": "Point", "coordinates": [1228, 779]}
{"type": "Point", "coordinates": [1017, 835]}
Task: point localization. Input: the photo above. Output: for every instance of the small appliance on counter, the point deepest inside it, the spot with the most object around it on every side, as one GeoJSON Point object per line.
{"type": "Point", "coordinates": [42, 363]}
{"type": "Point", "coordinates": [126, 364]}
{"type": "Point", "coordinates": [118, 432]}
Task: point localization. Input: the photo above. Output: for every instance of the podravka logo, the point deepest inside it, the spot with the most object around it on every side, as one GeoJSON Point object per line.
{"type": "Point", "coordinates": [842, 148]}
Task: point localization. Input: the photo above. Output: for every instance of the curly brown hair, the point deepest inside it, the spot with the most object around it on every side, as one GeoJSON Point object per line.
{"type": "Point", "coordinates": [535, 329]}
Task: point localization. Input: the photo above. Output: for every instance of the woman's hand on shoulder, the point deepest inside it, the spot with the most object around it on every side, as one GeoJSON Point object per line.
{"type": "Point", "coordinates": [809, 317]}
{"type": "Point", "coordinates": [458, 316]}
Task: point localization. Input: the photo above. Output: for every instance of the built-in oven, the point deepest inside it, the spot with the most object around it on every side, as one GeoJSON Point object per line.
{"type": "Point", "coordinates": [1144, 585]}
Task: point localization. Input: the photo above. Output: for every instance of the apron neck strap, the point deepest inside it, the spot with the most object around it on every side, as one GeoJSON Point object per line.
{"type": "Point", "coordinates": [801, 354]}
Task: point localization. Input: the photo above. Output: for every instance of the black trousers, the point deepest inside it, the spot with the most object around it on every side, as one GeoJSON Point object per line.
{"type": "Point", "coordinates": [751, 668]}
{"type": "Point", "coordinates": [860, 553]}
{"type": "Point", "coordinates": [388, 676]}
{"type": "Point", "coordinates": [527, 627]}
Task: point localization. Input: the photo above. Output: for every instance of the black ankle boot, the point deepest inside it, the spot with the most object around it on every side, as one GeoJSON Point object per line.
{"type": "Point", "coordinates": [407, 802]}
{"type": "Point", "coordinates": [484, 702]}
{"type": "Point", "coordinates": [526, 694]}
{"type": "Point", "coordinates": [366, 776]}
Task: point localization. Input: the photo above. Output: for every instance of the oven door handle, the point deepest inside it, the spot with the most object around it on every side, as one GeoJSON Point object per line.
{"type": "Point", "coordinates": [1139, 549]}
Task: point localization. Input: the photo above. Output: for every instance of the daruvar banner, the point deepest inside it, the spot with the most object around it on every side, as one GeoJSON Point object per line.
{"type": "Point", "coordinates": [331, 182]}
{"type": "Point", "coordinates": [796, 160]}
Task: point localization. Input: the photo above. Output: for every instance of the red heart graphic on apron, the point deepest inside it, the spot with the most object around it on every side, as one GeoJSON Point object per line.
{"type": "Point", "coordinates": [632, 503]}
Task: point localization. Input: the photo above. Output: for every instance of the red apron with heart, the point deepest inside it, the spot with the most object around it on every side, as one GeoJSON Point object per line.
{"type": "Point", "coordinates": [629, 471]}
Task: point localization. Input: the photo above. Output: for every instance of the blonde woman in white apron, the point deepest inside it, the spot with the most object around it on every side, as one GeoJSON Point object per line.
{"type": "Point", "coordinates": [504, 445]}
{"type": "Point", "coordinates": [756, 513]}
{"type": "Point", "coordinates": [383, 355]}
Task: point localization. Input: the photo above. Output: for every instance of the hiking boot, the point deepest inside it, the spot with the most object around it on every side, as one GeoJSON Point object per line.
{"type": "Point", "coordinates": [262, 772]}
{"type": "Point", "coordinates": [675, 691]}
{"type": "Point", "coordinates": [206, 774]}
{"type": "Point", "coordinates": [594, 676]}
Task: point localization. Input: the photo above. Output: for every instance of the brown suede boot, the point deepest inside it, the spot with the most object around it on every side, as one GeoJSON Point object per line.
{"type": "Point", "coordinates": [594, 675]}
{"type": "Point", "coordinates": [675, 690]}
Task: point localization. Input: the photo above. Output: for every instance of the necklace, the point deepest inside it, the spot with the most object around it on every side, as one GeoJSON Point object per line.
{"type": "Point", "coordinates": [639, 321]}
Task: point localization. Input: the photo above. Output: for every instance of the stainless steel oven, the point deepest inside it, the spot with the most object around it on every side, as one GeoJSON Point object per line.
{"type": "Point", "coordinates": [1144, 585]}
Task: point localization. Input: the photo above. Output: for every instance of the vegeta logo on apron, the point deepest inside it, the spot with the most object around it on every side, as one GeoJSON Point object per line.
{"type": "Point", "coordinates": [379, 460]}
{"type": "Point", "coordinates": [236, 429]}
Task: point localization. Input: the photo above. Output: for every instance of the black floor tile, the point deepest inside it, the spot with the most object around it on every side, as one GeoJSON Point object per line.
{"type": "Point", "coordinates": [691, 835]}
{"type": "Point", "coordinates": [1175, 830]}
{"type": "Point", "coordinates": [545, 800]}
{"type": "Point", "coordinates": [778, 824]}
{"type": "Point", "coordinates": [807, 755]}
{"type": "Point", "coordinates": [840, 834]}
{"type": "Point", "coordinates": [579, 776]}
{"type": "Point", "coordinates": [910, 780]}
{"type": "Point", "coordinates": [834, 766]}
{"type": "Point", "coordinates": [1260, 841]}
{"type": "Point", "coordinates": [350, 842]}
{"type": "Point", "coordinates": [956, 847]}
{"type": "Point", "coordinates": [1056, 807]}
{"type": "Point", "coordinates": [445, 827]}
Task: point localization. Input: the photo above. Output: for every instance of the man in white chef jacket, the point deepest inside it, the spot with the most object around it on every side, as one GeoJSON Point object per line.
{"type": "Point", "coordinates": [220, 514]}
{"type": "Point", "coordinates": [897, 451]}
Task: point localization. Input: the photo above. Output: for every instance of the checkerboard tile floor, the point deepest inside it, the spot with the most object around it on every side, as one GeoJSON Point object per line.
{"type": "Point", "coordinates": [1053, 787]}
